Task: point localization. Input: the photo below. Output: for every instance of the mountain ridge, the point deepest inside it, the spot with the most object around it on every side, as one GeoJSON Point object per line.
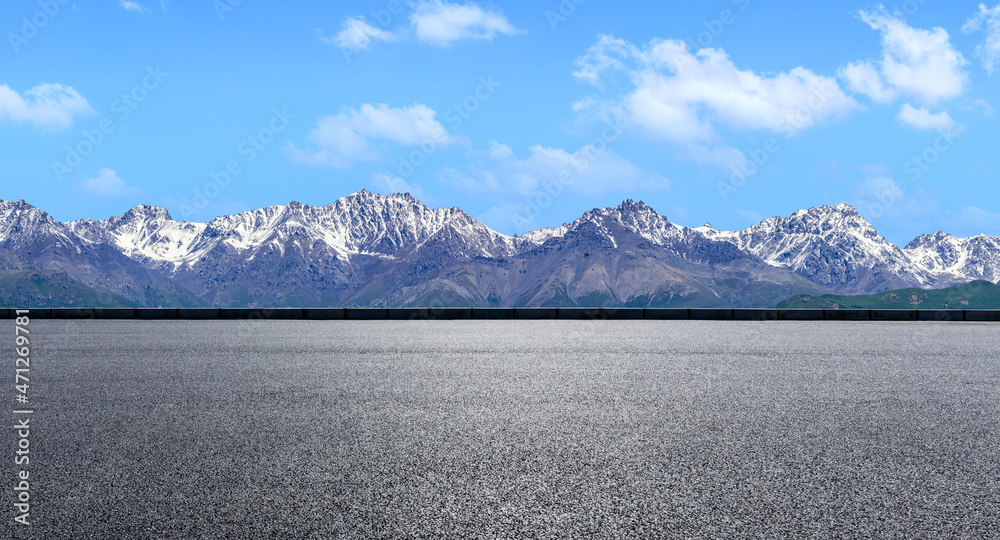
{"type": "Point", "coordinates": [367, 249]}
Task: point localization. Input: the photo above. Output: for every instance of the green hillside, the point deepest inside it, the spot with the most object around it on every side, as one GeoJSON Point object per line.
{"type": "Point", "coordinates": [974, 295]}
{"type": "Point", "coordinates": [26, 288]}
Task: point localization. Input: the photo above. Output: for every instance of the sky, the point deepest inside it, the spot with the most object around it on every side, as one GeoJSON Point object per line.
{"type": "Point", "coordinates": [524, 114]}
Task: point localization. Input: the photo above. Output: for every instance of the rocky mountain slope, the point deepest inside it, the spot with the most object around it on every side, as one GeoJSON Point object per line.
{"type": "Point", "coordinates": [54, 252]}
{"type": "Point", "coordinates": [372, 250]}
{"type": "Point", "coordinates": [947, 258]}
{"type": "Point", "coordinates": [834, 247]}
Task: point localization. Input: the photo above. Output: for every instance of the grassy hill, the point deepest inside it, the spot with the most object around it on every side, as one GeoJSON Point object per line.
{"type": "Point", "coordinates": [974, 295]}
{"type": "Point", "coordinates": [27, 288]}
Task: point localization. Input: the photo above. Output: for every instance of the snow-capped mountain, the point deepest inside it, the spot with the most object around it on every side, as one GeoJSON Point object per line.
{"type": "Point", "coordinates": [633, 256]}
{"type": "Point", "coordinates": [22, 224]}
{"type": "Point", "coordinates": [359, 224]}
{"type": "Point", "coordinates": [373, 250]}
{"type": "Point", "coordinates": [59, 261]}
{"type": "Point", "coordinates": [948, 258]}
{"type": "Point", "coordinates": [146, 234]}
{"type": "Point", "coordinates": [832, 246]}
{"type": "Point", "coordinates": [297, 253]}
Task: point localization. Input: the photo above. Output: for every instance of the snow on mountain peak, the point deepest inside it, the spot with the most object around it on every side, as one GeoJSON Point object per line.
{"type": "Point", "coordinates": [21, 223]}
{"type": "Point", "coordinates": [832, 246]}
{"type": "Point", "coordinates": [145, 211]}
{"type": "Point", "coordinates": [634, 216]}
{"type": "Point", "coordinates": [360, 223]}
{"type": "Point", "coordinates": [957, 259]}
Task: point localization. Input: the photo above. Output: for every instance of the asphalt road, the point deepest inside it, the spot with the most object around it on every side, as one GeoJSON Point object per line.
{"type": "Point", "coordinates": [508, 429]}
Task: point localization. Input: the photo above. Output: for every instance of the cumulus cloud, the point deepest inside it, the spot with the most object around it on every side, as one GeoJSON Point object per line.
{"type": "Point", "coordinates": [863, 78]}
{"type": "Point", "coordinates": [50, 107]}
{"type": "Point", "coordinates": [436, 23]}
{"type": "Point", "coordinates": [681, 96]}
{"type": "Point", "coordinates": [129, 5]}
{"type": "Point", "coordinates": [108, 184]}
{"type": "Point", "coordinates": [609, 54]}
{"type": "Point", "coordinates": [924, 119]}
{"type": "Point", "coordinates": [519, 188]}
{"type": "Point", "coordinates": [441, 23]}
{"type": "Point", "coordinates": [918, 63]}
{"type": "Point", "coordinates": [987, 19]}
{"type": "Point", "coordinates": [344, 139]}
{"type": "Point", "coordinates": [357, 35]}
{"type": "Point", "coordinates": [589, 170]}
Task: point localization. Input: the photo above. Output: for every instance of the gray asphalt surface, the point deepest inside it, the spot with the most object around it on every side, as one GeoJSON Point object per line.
{"type": "Point", "coordinates": [509, 429]}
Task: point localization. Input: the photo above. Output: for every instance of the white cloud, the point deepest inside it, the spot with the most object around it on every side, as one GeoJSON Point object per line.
{"type": "Point", "coordinates": [388, 184]}
{"type": "Point", "coordinates": [915, 62]}
{"type": "Point", "coordinates": [902, 216]}
{"type": "Point", "coordinates": [982, 106]}
{"type": "Point", "coordinates": [683, 97]}
{"type": "Point", "coordinates": [609, 54]}
{"type": "Point", "coordinates": [882, 189]}
{"type": "Point", "coordinates": [357, 35]}
{"type": "Point", "coordinates": [977, 220]}
{"type": "Point", "coordinates": [50, 107]}
{"type": "Point", "coordinates": [863, 78]}
{"type": "Point", "coordinates": [987, 19]}
{"type": "Point", "coordinates": [727, 158]}
{"type": "Point", "coordinates": [589, 170]}
{"type": "Point", "coordinates": [344, 139]}
{"type": "Point", "coordinates": [924, 119]}
{"type": "Point", "coordinates": [521, 189]}
{"type": "Point", "coordinates": [895, 213]}
{"type": "Point", "coordinates": [129, 5]}
{"type": "Point", "coordinates": [441, 23]}
{"type": "Point", "coordinates": [107, 184]}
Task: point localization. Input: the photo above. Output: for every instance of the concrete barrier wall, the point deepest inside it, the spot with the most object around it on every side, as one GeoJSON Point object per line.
{"type": "Point", "coordinates": [369, 314]}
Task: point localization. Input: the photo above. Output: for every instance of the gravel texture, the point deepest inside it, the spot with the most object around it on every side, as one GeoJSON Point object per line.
{"type": "Point", "coordinates": [510, 429]}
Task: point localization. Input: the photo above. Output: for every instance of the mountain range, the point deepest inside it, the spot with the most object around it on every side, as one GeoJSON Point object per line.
{"type": "Point", "coordinates": [372, 250]}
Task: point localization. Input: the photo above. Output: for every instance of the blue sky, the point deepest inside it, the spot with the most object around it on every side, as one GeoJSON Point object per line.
{"type": "Point", "coordinates": [525, 114]}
